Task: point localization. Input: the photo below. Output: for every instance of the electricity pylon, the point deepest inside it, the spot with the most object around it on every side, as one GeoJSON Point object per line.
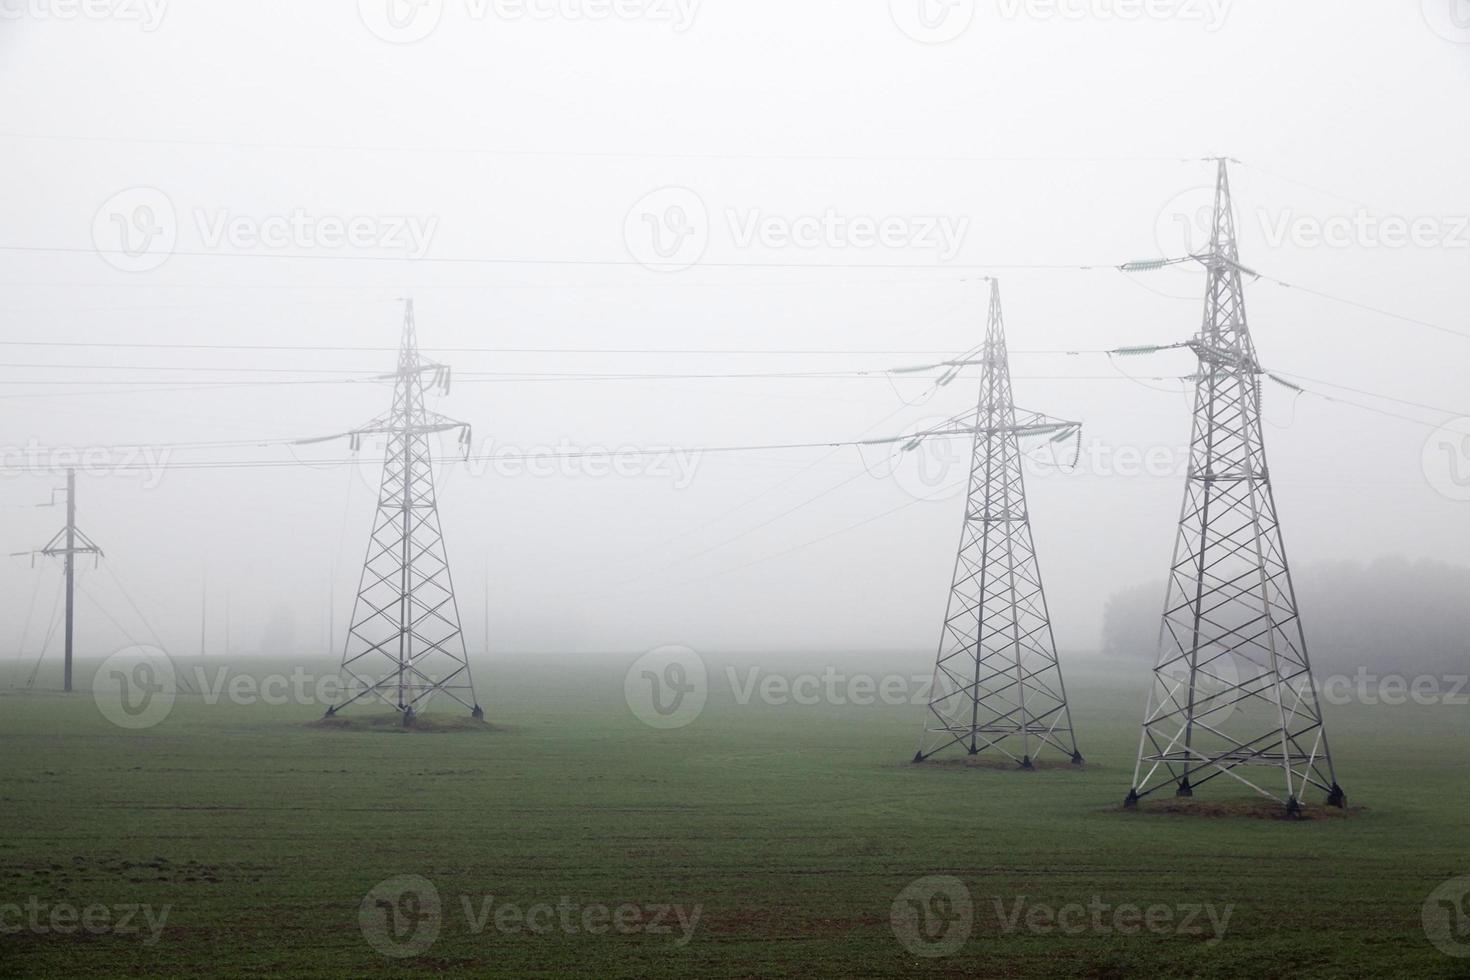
{"type": "Point", "coordinates": [68, 543]}
{"type": "Point", "coordinates": [405, 621]}
{"type": "Point", "coordinates": [997, 681]}
{"type": "Point", "coordinates": [1233, 686]}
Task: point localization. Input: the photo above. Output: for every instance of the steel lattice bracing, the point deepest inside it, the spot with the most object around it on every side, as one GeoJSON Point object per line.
{"type": "Point", "coordinates": [1233, 692]}
{"type": "Point", "coordinates": [405, 647]}
{"type": "Point", "coordinates": [997, 682]}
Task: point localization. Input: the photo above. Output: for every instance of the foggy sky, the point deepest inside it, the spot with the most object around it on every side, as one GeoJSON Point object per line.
{"type": "Point", "coordinates": [1055, 141]}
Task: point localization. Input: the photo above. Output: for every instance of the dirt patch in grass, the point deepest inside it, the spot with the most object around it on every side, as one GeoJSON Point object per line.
{"type": "Point", "coordinates": [770, 924]}
{"type": "Point", "coordinates": [393, 724]}
{"type": "Point", "coordinates": [1001, 765]}
{"type": "Point", "coordinates": [1251, 809]}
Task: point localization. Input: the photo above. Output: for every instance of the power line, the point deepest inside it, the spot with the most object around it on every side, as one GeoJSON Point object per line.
{"type": "Point", "coordinates": [1450, 331]}
{"type": "Point", "coordinates": [608, 263]}
{"type": "Point", "coordinates": [697, 351]}
{"type": "Point", "coordinates": [513, 457]}
{"type": "Point", "coordinates": [185, 386]}
{"type": "Point", "coordinates": [593, 154]}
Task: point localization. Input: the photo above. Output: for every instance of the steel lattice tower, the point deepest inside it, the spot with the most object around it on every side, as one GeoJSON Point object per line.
{"type": "Point", "coordinates": [1233, 685]}
{"type": "Point", "coordinates": [405, 621]}
{"type": "Point", "coordinates": [997, 681]}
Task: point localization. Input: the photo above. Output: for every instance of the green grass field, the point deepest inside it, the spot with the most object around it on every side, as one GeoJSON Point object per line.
{"type": "Point", "coordinates": [793, 829]}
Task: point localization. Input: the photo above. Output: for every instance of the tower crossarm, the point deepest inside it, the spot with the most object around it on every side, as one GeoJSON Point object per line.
{"type": "Point", "coordinates": [81, 545]}
{"type": "Point", "coordinates": [1025, 424]}
{"type": "Point", "coordinates": [430, 423]}
{"type": "Point", "coordinates": [1233, 361]}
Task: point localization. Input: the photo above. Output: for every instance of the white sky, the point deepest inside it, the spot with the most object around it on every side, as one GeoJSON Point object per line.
{"type": "Point", "coordinates": [1053, 140]}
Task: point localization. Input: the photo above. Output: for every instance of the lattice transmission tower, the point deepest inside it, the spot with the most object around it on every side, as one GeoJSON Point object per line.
{"type": "Point", "coordinates": [1232, 692]}
{"type": "Point", "coordinates": [404, 644]}
{"type": "Point", "coordinates": [997, 681]}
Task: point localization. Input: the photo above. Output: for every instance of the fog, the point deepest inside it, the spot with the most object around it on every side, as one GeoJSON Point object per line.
{"type": "Point", "coordinates": [501, 167]}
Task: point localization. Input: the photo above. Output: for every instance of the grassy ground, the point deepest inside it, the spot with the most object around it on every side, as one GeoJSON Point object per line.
{"type": "Point", "coordinates": [793, 829]}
